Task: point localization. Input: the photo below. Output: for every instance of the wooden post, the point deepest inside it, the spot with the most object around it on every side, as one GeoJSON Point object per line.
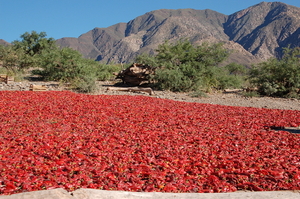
{"type": "Point", "coordinates": [37, 88]}
{"type": "Point", "coordinates": [132, 89]}
{"type": "Point", "coordinates": [3, 77]}
{"type": "Point", "coordinates": [9, 79]}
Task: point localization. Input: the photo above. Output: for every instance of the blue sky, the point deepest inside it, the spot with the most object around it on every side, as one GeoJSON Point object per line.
{"type": "Point", "coordinates": [71, 18]}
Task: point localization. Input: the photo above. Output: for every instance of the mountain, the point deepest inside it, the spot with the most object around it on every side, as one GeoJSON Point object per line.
{"type": "Point", "coordinates": [124, 41]}
{"type": "Point", "coordinates": [3, 42]}
{"type": "Point", "coordinates": [254, 34]}
{"type": "Point", "coordinates": [264, 29]}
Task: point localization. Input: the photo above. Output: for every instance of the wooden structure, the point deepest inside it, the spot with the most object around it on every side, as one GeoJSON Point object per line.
{"type": "Point", "coordinates": [37, 88]}
{"type": "Point", "coordinates": [132, 89]}
{"type": "Point", "coordinates": [3, 78]}
{"type": "Point", "coordinates": [135, 74]}
{"type": "Point", "coordinates": [7, 79]}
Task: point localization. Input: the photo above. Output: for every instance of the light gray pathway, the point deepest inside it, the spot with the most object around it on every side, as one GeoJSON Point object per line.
{"type": "Point", "coordinates": [100, 194]}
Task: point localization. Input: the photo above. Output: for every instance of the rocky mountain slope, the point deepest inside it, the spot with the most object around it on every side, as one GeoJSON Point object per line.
{"type": "Point", "coordinates": [254, 34]}
{"type": "Point", "coordinates": [3, 42]}
{"type": "Point", "coordinates": [265, 28]}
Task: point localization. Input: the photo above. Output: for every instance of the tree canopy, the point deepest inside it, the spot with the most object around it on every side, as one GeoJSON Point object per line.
{"type": "Point", "coordinates": [278, 77]}
{"type": "Point", "coordinates": [184, 67]}
{"type": "Point", "coordinates": [37, 52]}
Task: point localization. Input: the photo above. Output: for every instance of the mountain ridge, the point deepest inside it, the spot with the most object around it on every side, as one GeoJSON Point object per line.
{"type": "Point", "coordinates": [254, 34]}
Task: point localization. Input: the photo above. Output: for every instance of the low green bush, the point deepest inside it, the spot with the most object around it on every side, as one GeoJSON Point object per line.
{"type": "Point", "coordinates": [278, 77]}
{"type": "Point", "coordinates": [105, 71]}
{"type": "Point", "coordinates": [182, 67]}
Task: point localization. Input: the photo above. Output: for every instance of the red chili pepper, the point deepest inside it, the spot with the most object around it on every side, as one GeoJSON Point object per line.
{"type": "Point", "coordinates": [138, 143]}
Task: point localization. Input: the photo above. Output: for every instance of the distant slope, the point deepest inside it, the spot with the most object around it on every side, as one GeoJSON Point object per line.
{"type": "Point", "coordinates": [122, 42]}
{"type": "Point", "coordinates": [3, 42]}
{"type": "Point", "coordinates": [264, 29]}
{"type": "Point", "coordinates": [254, 34]}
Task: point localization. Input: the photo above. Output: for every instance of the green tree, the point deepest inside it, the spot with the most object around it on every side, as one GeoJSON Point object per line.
{"type": "Point", "coordinates": [227, 78]}
{"type": "Point", "coordinates": [32, 46]}
{"type": "Point", "coordinates": [236, 69]}
{"type": "Point", "coordinates": [42, 54]}
{"type": "Point", "coordinates": [147, 59]}
{"type": "Point", "coordinates": [68, 65]}
{"type": "Point", "coordinates": [10, 59]}
{"type": "Point", "coordinates": [34, 43]}
{"type": "Point", "coordinates": [184, 67]}
{"type": "Point", "coordinates": [278, 77]}
{"type": "Point", "coordinates": [106, 71]}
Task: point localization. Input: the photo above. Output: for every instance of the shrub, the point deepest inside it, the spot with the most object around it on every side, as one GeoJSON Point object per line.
{"type": "Point", "coordinates": [84, 84]}
{"type": "Point", "coordinates": [227, 79]}
{"type": "Point", "coordinates": [105, 71]}
{"type": "Point", "coordinates": [49, 61]}
{"type": "Point", "coordinates": [278, 77]}
{"type": "Point", "coordinates": [68, 66]}
{"type": "Point", "coordinates": [184, 67]}
{"type": "Point", "coordinates": [172, 79]}
{"type": "Point", "coordinates": [198, 93]}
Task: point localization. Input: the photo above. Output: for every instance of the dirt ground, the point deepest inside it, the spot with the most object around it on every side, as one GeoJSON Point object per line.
{"type": "Point", "coordinates": [222, 98]}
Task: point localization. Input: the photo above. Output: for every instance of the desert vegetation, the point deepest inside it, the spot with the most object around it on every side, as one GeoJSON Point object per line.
{"type": "Point", "coordinates": [180, 67]}
{"type": "Point", "coordinates": [183, 67]}
{"type": "Point", "coordinates": [42, 57]}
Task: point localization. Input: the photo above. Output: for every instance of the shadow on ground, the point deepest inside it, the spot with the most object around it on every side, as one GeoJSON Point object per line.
{"type": "Point", "coordinates": [295, 130]}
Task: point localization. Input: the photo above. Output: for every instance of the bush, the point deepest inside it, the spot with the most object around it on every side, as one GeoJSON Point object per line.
{"type": "Point", "coordinates": [227, 79]}
{"type": "Point", "coordinates": [198, 93]}
{"type": "Point", "coordinates": [50, 62]}
{"type": "Point", "coordinates": [250, 94]}
{"type": "Point", "coordinates": [172, 79]}
{"type": "Point", "coordinates": [68, 66]}
{"type": "Point", "coordinates": [183, 67]}
{"type": "Point", "coordinates": [85, 84]}
{"type": "Point", "coordinates": [278, 77]}
{"type": "Point", "coordinates": [105, 71]}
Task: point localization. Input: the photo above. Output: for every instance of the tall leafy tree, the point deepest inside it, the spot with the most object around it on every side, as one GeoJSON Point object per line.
{"type": "Point", "coordinates": [33, 45]}
{"type": "Point", "coordinates": [236, 69]}
{"type": "Point", "coordinates": [34, 50]}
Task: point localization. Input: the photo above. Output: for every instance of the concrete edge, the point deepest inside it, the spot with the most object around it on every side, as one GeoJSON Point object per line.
{"type": "Point", "coordinates": [104, 194]}
{"type": "Point", "coordinates": [58, 193]}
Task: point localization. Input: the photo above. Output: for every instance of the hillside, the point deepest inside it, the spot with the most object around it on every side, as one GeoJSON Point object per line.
{"type": "Point", "coordinates": [265, 28]}
{"type": "Point", "coordinates": [254, 34]}
{"type": "Point", "coordinates": [3, 42]}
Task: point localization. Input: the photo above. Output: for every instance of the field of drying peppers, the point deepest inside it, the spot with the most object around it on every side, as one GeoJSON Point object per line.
{"type": "Point", "coordinates": [135, 143]}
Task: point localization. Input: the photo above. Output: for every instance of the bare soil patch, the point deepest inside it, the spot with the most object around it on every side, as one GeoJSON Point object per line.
{"type": "Point", "coordinates": [221, 98]}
